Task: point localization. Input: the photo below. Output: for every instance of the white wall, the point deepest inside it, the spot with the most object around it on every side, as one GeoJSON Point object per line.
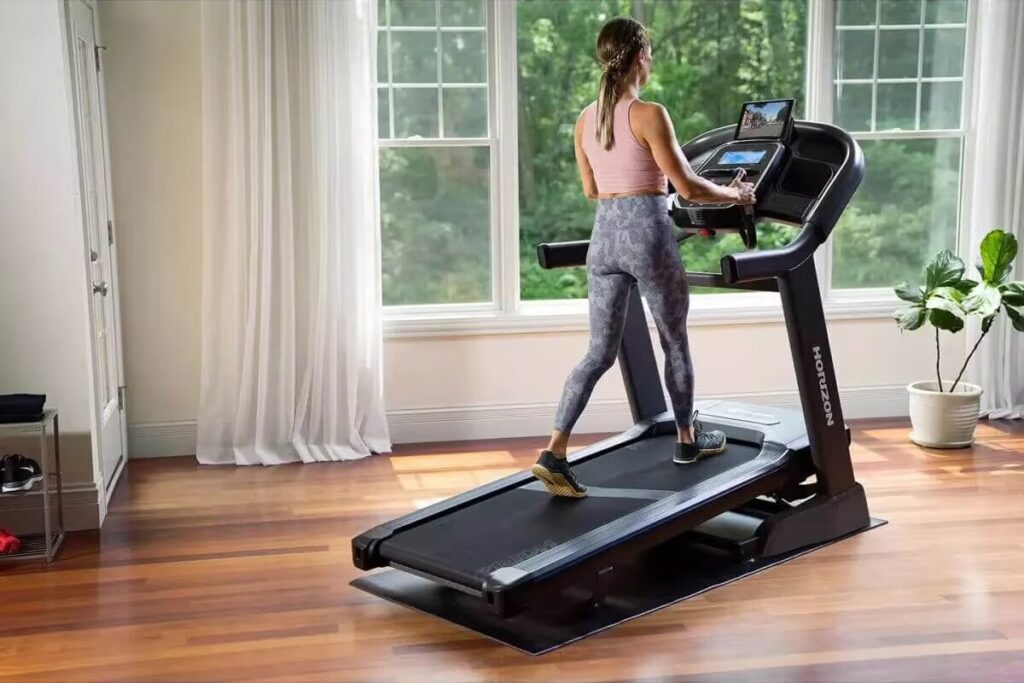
{"type": "Point", "coordinates": [44, 345]}
{"type": "Point", "coordinates": [436, 387]}
{"type": "Point", "coordinates": [154, 100]}
{"type": "Point", "coordinates": [508, 385]}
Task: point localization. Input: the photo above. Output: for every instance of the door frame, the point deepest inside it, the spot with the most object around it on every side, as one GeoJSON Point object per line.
{"type": "Point", "coordinates": [71, 88]}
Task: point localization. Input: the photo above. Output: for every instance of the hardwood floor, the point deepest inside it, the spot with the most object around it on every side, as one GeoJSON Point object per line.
{"type": "Point", "coordinates": [209, 574]}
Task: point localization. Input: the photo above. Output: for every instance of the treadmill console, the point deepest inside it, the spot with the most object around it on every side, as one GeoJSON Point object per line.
{"type": "Point", "coordinates": [759, 149]}
{"type": "Point", "coordinates": [759, 160]}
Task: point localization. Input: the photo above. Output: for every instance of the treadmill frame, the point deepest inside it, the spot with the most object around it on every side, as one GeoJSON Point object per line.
{"type": "Point", "coordinates": [838, 506]}
{"type": "Point", "coordinates": [509, 590]}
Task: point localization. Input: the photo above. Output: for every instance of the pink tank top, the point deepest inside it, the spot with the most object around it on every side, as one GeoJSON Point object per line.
{"type": "Point", "coordinates": [626, 167]}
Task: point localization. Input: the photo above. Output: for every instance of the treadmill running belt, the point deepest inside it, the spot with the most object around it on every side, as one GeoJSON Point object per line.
{"type": "Point", "coordinates": [647, 464]}
{"type": "Point", "coordinates": [467, 544]}
{"type": "Point", "coordinates": [505, 529]}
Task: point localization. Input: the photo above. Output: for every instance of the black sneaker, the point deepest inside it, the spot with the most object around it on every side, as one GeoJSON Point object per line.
{"type": "Point", "coordinates": [704, 444]}
{"type": "Point", "coordinates": [19, 473]}
{"type": "Point", "coordinates": [557, 476]}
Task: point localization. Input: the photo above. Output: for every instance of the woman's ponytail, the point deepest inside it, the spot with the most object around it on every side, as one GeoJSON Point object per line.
{"type": "Point", "coordinates": [607, 95]}
{"type": "Point", "coordinates": [621, 39]}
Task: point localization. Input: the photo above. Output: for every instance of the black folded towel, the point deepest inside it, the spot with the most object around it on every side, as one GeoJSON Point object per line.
{"type": "Point", "coordinates": [21, 407]}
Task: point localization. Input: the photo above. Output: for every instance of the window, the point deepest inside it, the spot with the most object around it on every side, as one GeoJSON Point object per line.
{"type": "Point", "coordinates": [898, 86]}
{"type": "Point", "coordinates": [434, 125]}
{"type": "Point", "coordinates": [477, 100]}
{"type": "Point", "coordinates": [709, 57]}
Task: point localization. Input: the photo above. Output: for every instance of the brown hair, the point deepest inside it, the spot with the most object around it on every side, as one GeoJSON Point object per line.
{"type": "Point", "coordinates": [620, 41]}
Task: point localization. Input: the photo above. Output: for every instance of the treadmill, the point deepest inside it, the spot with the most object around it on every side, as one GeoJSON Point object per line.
{"type": "Point", "coordinates": [785, 484]}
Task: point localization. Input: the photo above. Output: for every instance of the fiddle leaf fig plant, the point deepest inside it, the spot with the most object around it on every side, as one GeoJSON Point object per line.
{"type": "Point", "coordinates": [947, 299]}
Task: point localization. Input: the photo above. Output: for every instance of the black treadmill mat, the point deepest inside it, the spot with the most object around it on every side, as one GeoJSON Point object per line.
{"type": "Point", "coordinates": [465, 545]}
{"type": "Point", "coordinates": [660, 578]}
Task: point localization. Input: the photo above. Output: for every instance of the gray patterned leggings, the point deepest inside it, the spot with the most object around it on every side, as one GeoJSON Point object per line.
{"type": "Point", "coordinates": [632, 242]}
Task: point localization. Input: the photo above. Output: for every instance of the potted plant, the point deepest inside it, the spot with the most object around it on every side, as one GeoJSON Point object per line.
{"type": "Point", "coordinates": [943, 413]}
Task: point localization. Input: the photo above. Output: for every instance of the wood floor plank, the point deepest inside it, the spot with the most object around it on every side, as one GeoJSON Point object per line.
{"type": "Point", "coordinates": [242, 574]}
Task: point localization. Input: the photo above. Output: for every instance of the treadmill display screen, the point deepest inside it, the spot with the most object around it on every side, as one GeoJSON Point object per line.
{"type": "Point", "coordinates": [735, 157]}
{"type": "Point", "coordinates": [764, 119]}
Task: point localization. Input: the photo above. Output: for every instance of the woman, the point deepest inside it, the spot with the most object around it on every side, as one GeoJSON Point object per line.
{"type": "Point", "coordinates": [625, 148]}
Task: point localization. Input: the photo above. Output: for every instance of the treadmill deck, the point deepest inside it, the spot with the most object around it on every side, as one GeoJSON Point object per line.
{"type": "Point", "coordinates": [522, 525]}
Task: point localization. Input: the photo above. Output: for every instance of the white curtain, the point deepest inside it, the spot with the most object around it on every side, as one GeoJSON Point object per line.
{"type": "Point", "coordinates": [291, 340]}
{"type": "Point", "coordinates": [996, 195]}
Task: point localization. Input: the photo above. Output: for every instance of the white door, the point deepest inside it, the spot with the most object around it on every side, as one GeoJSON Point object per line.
{"type": "Point", "coordinates": [94, 178]}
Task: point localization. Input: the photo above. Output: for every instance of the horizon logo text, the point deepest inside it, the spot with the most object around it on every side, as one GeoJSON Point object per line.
{"type": "Point", "coordinates": [826, 402]}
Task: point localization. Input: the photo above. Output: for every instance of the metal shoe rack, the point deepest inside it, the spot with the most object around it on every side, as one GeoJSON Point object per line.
{"type": "Point", "coordinates": [46, 545]}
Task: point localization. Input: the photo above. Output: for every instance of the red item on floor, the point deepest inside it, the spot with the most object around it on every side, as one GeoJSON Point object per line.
{"type": "Point", "coordinates": [9, 543]}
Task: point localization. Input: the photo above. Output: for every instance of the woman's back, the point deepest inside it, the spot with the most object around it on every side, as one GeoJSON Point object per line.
{"type": "Point", "coordinates": [627, 167]}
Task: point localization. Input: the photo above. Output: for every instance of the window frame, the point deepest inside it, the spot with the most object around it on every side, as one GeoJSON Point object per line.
{"type": "Point", "coordinates": [454, 311]}
{"type": "Point", "coordinates": [881, 300]}
{"type": "Point", "coordinates": [507, 313]}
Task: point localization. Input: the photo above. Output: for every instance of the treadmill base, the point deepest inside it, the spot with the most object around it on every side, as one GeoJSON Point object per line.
{"type": "Point", "coordinates": [664, 576]}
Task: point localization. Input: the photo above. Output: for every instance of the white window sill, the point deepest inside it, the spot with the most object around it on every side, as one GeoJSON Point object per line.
{"type": "Point", "coordinates": [571, 316]}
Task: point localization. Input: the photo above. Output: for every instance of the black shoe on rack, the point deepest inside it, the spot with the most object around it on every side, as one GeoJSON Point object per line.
{"type": "Point", "coordinates": [19, 473]}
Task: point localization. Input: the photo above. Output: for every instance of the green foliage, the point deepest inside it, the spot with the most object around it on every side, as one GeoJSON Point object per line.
{"type": "Point", "coordinates": [944, 270]}
{"type": "Point", "coordinates": [1016, 318]}
{"type": "Point", "coordinates": [905, 209]}
{"type": "Point", "coordinates": [911, 318]}
{"type": "Point", "coordinates": [938, 301]}
{"type": "Point", "coordinates": [908, 292]}
{"type": "Point", "coordinates": [983, 301]}
{"type": "Point", "coordinates": [998, 250]}
{"type": "Point", "coordinates": [435, 226]}
{"type": "Point", "coordinates": [1013, 293]}
{"type": "Point", "coordinates": [947, 299]}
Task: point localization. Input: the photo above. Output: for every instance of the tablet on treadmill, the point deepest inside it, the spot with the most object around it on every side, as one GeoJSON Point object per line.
{"type": "Point", "coordinates": [765, 120]}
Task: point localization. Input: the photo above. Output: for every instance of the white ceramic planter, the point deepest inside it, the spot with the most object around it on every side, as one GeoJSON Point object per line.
{"type": "Point", "coordinates": [943, 420]}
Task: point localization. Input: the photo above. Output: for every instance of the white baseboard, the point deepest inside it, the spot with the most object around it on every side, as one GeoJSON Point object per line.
{"type": "Point", "coordinates": [419, 425]}
{"type": "Point", "coordinates": [507, 421]}
{"type": "Point", "coordinates": [23, 513]}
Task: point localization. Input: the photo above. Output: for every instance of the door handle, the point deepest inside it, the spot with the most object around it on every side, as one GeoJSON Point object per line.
{"type": "Point", "coordinates": [101, 288]}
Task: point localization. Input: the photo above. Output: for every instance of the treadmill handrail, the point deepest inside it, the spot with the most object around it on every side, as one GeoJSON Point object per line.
{"type": "Point", "coordinates": [839, 191]}
{"type": "Point", "coordinates": [749, 266]}
{"type": "Point", "coordinates": [740, 268]}
{"type": "Point", "coordinates": [840, 188]}
{"type": "Point", "coordinates": [746, 266]}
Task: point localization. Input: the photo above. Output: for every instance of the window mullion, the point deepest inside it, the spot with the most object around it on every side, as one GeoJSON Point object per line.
{"type": "Point", "coordinates": [874, 69]}
{"type": "Point", "coordinates": [968, 145]}
{"type": "Point", "coordinates": [920, 69]}
{"type": "Point", "coordinates": [821, 94]}
{"type": "Point", "coordinates": [505, 100]}
{"type": "Point", "coordinates": [440, 79]}
{"type": "Point", "coordinates": [391, 74]}
{"type": "Point", "coordinates": [820, 60]}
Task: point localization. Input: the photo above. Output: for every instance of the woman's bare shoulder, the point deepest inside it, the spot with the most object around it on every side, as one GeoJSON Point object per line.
{"type": "Point", "coordinates": [647, 109]}
{"type": "Point", "coordinates": [649, 118]}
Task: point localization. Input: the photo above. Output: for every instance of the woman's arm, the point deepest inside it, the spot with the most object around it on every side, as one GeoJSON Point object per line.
{"type": "Point", "coordinates": [586, 172]}
{"type": "Point", "coordinates": [656, 131]}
